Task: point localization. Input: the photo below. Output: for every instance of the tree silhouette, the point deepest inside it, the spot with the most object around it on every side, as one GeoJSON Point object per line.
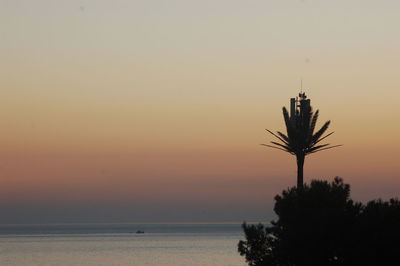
{"type": "Point", "coordinates": [378, 234]}
{"type": "Point", "coordinates": [319, 224]}
{"type": "Point", "coordinates": [301, 139]}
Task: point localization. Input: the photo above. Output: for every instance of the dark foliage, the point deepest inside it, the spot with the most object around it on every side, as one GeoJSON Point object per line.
{"type": "Point", "coordinates": [320, 225]}
{"type": "Point", "coordinates": [378, 234]}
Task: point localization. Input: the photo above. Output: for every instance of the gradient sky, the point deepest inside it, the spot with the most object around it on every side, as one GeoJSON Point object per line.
{"type": "Point", "coordinates": [135, 111]}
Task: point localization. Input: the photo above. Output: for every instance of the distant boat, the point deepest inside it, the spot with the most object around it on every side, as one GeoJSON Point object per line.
{"type": "Point", "coordinates": [139, 232]}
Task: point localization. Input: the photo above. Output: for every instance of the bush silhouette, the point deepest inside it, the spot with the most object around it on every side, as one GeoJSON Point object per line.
{"type": "Point", "coordinates": [319, 224]}
{"type": "Point", "coordinates": [378, 234]}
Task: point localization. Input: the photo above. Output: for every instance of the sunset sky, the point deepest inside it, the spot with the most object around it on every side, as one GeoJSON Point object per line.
{"type": "Point", "coordinates": [153, 111]}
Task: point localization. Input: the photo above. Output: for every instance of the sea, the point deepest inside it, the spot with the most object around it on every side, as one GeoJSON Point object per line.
{"type": "Point", "coordinates": [174, 244]}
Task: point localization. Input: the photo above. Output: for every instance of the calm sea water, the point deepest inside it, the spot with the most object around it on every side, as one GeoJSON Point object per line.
{"type": "Point", "coordinates": [118, 244]}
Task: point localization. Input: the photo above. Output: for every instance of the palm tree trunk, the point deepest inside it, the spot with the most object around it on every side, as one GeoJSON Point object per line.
{"type": "Point", "coordinates": [300, 170]}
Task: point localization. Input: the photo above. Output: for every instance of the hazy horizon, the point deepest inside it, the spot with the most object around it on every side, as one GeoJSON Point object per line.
{"type": "Point", "coordinates": [147, 111]}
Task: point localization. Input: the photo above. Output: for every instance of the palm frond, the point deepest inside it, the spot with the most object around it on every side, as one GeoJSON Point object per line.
{"type": "Point", "coordinates": [288, 148]}
{"type": "Point", "coordinates": [281, 139]}
{"type": "Point", "coordinates": [320, 132]}
{"type": "Point", "coordinates": [314, 122]}
{"type": "Point", "coordinates": [270, 146]}
{"type": "Point", "coordinates": [288, 123]}
{"type": "Point", "coordinates": [283, 136]}
{"type": "Point", "coordinates": [321, 139]}
{"type": "Point", "coordinates": [312, 149]}
{"type": "Point", "coordinates": [327, 148]}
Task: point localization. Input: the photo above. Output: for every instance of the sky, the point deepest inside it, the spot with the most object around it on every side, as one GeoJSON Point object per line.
{"type": "Point", "coordinates": [153, 111]}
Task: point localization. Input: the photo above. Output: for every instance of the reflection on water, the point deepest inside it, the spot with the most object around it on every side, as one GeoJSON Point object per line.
{"type": "Point", "coordinates": [168, 244]}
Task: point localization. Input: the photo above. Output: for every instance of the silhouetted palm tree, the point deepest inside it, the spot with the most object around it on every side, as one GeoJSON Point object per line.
{"type": "Point", "coordinates": [301, 139]}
